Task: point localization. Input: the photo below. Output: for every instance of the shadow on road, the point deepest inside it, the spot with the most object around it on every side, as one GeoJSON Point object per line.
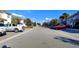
{"type": "Point", "coordinates": [68, 40]}
{"type": "Point", "coordinates": [5, 46]}
{"type": "Point", "coordinates": [71, 30]}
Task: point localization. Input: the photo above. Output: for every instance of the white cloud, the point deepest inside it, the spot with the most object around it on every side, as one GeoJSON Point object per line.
{"type": "Point", "coordinates": [34, 19]}
{"type": "Point", "coordinates": [47, 19]}
{"type": "Point", "coordinates": [18, 15]}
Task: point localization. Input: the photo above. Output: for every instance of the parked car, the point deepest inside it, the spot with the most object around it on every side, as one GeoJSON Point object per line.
{"type": "Point", "coordinates": [23, 25]}
{"type": "Point", "coordinates": [51, 26]}
{"type": "Point", "coordinates": [58, 27]}
{"type": "Point", "coordinates": [2, 29]}
{"type": "Point", "coordinates": [15, 28]}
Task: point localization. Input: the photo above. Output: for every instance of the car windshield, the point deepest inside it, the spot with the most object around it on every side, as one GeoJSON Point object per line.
{"type": "Point", "coordinates": [2, 25]}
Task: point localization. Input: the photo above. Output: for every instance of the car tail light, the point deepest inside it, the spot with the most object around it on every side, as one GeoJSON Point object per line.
{"type": "Point", "coordinates": [23, 28]}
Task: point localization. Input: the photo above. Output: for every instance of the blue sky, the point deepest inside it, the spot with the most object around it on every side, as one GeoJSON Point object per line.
{"type": "Point", "coordinates": [41, 15]}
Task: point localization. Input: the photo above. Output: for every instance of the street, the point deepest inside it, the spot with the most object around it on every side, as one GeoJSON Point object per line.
{"type": "Point", "coordinates": [39, 37]}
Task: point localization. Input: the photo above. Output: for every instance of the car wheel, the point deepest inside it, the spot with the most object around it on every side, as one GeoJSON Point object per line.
{"type": "Point", "coordinates": [22, 30]}
{"type": "Point", "coordinates": [0, 34]}
{"type": "Point", "coordinates": [4, 33]}
{"type": "Point", "coordinates": [56, 29]}
{"type": "Point", "coordinates": [16, 30]}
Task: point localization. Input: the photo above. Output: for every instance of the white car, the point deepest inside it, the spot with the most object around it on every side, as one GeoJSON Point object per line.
{"type": "Point", "coordinates": [21, 24]}
{"type": "Point", "coordinates": [14, 28]}
{"type": "Point", "coordinates": [2, 29]}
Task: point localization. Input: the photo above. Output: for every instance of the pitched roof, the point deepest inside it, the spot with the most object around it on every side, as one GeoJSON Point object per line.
{"type": "Point", "coordinates": [74, 15]}
{"type": "Point", "coordinates": [4, 11]}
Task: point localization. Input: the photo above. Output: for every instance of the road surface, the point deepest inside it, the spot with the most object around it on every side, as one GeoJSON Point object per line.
{"type": "Point", "coordinates": [40, 37]}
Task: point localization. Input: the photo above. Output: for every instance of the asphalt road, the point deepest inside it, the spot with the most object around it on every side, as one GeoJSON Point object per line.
{"type": "Point", "coordinates": [40, 37]}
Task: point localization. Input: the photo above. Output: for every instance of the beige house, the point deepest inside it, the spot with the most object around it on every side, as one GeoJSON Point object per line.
{"type": "Point", "coordinates": [5, 17]}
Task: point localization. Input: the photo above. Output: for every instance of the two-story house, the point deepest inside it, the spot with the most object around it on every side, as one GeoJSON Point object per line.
{"type": "Point", "coordinates": [73, 20]}
{"type": "Point", "coordinates": [5, 17]}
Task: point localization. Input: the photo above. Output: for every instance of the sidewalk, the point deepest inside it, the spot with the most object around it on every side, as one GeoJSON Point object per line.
{"type": "Point", "coordinates": [71, 35]}
{"type": "Point", "coordinates": [73, 32]}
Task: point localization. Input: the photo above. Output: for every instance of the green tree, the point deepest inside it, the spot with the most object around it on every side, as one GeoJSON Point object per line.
{"type": "Point", "coordinates": [53, 22]}
{"type": "Point", "coordinates": [61, 17]}
{"type": "Point", "coordinates": [64, 17]}
{"type": "Point", "coordinates": [15, 20]}
{"type": "Point", "coordinates": [39, 24]}
{"type": "Point", "coordinates": [28, 22]}
{"type": "Point", "coordinates": [45, 24]}
{"type": "Point", "coordinates": [34, 23]}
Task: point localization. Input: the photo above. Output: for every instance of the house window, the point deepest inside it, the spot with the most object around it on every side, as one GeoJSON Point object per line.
{"type": "Point", "coordinates": [8, 16]}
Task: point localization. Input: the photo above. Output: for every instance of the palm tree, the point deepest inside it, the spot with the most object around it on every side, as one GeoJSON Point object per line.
{"type": "Point", "coordinates": [61, 17]}
{"type": "Point", "coordinates": [64, 17]}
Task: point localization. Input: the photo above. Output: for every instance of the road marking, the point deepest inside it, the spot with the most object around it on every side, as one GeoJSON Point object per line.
{"type": "Point", "coordinates": [15, 36]}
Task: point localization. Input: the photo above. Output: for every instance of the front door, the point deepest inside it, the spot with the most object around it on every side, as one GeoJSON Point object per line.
{"type": "Point", "coordinates": [76, 24]}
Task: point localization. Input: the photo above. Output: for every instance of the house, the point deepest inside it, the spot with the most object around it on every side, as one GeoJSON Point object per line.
{"type": "Point", "coordinates": [73, 20]}
{"type": "Point", "coordinates": [5, 17]}
{"type": "Point", "coordinates": [22, 21]}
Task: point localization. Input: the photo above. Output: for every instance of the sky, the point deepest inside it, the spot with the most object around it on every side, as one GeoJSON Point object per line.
{"type": "Point", "coordinates": [41, 15]}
